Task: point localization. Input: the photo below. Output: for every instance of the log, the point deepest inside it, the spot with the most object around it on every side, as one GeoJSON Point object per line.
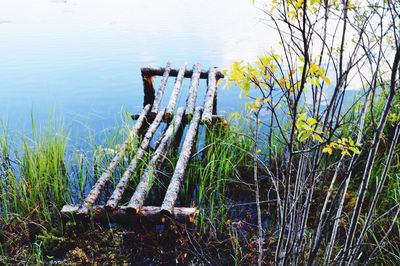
{"type": "Point", "coordinates": [148, 89]}
{"type": "Point", "coordinates": [159, 71]}
{"type": "Point", "coordinates": [186, 118]}
{"type": "Point", "coordinates": [105, 177]}
{"type": "Point", "coordinates": [123, 214]}
{"type": "Point", "coordinates": [180, 168]}
{"type": "Point", "coordinates": [161, 89]}
{"type": "Point", "coordinates": [123, 182]}
{"type": "Point", "coordinates": [175, 92]}
{"type": "Point", "coordinates": [210, 96]}
{"type": "Point", "coordinates": [194, 85]}
{"type": "Point", "coordinates": [138, 198]}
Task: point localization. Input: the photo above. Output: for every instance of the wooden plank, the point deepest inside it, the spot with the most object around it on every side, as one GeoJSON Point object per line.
{"type": "Point", "coordinates": [161, 89]}
{"type": "Point", "coordinates": [175, 92]}
{"type": "Point", "coordinates": [194, 85]}
{"type": "Point", "coordinates": [105, 177]}
{"type": "Point", "coordinates": [180, 168]}
{"type": "Point", "coordinates": [159, 71]}
{"type": "Point", "coordinates": [124, 215]}
{"type": "Point", "coordinates": [123, 182]}
{"type": "Point", "coordinates": [138, 197]}
{"type": "Point", "coordinates": [210, 96]}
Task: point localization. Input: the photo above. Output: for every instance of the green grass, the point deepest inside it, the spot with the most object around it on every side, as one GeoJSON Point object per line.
{"type": "Point", "coordinates": [35, 183]}
{"type": "Point", "coordinates": [225, 154]}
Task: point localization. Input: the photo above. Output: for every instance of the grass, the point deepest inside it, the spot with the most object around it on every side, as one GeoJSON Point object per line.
{"type": "Point", "coordinates": [34, 183]}
{"type": "Point", "coordinates": [226, 152]}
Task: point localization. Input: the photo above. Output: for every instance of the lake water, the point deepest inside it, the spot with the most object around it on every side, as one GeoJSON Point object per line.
{"type": "Point", "coordinates": [82, 58]}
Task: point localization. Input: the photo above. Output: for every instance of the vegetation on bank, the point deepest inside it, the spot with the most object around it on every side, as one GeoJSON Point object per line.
{"type": "Point", "coordinates": [219, 181]}
{"type": "Point", "coordinates": [333, 166]}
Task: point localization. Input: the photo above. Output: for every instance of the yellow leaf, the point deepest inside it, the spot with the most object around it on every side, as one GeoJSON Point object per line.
{"type": "Point", "coordinates": [267, 100]}
{"type": "Point", "coordinates": [282, 82]}
{"type": "Point", "coordinates": [345, 152]}
{"type": "Point", "coordinates": [328, 150]}
{"type": "Point", "coordinates": [326, 79]}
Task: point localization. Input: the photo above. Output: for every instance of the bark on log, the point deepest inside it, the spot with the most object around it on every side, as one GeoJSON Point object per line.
{"type": "Point", "coordinates": [148, 89]}
{"type": "Point", "coordinates": [101, 182]}
{"type": "Point", "coordinates": [123, 182]}
{"type": "Point", "coordinates": [161, 89]}
{"type": "Point", "coordinates": [152, 71]}
{"type": "Point", "coordinates": [138, 198]}
{"type": "Point", "coordinates": [180, 168]}
{"type": "Point", "coordinates": [210, 96]}
{"type": "Point", "coordinates": [175, 93]}
{"type": "Point", "coordinates": [186, 118]}
{"type": "Point", "coordinates": [194, 85]}
{"type": "Point", "coordinates": [123, 214]}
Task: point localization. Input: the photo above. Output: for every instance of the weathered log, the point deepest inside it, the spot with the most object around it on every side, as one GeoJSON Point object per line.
{"type": "Point", "coordinates": [210, 96]}
{"type": "Point", "coordinates": [186, 118]}
{"type": "Point", "coordinates": [148, 89]}
{"type": "Point", "coordinates": [124, 215]}
{"type": "Point", "coordinates": [194, 85]}
{"type": "Point", "coordinates": [161, 89]}
{"type": "Point", "coordinates": [180, 168]}
{"type": "Point", "coordinates": [138, 197]}
{"type": "Point", "coordinates": [123, 182]}
{"type": "Point", "coordinates": [175, 92]}
{"type": "Point", "coordinates": [159, 71]}
{"type": "Point", "coordinates": [105, 177]}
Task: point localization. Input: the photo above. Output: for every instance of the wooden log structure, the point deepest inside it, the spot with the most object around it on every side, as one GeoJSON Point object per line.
{"type": "Point", "coordinates": [186, 118]}
{"type": "Point", "coordinates": [122, 214]}
{"type": "Point", "coordinates": [175, 93]}
{"type": "Point", "coordinates": [161, 89]}
{"type": "Point", "coordinates": [148, 125]}
{"type": "Point", "coordinates": [105, 177]}
{"type": "Point", "coordinates": [194, 85]}
{"type": "Point", "coordinates": [123, 182]}
{"type": "Point", "coordinates": [159, 71]}
{"type": "Point", "coordinates": [148, 88]}
{"type": "Point", "coordinates": [137, 200]}
{"type": "Point", "coordinates": [181, 165]}
{"type": "Point", "coordinates": [210, 97]}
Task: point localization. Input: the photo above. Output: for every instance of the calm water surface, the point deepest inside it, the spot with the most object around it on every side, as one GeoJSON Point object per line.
{"type": "Point", "coordinates": [82, 58]}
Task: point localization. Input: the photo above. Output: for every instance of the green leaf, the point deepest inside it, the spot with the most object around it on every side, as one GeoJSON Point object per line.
{"type": "Point", "coordinates": [311, 121]}
{"type": "Point", "coordinates": [303, 137]}
{"type": "Point", "coordinates": [317, 138]}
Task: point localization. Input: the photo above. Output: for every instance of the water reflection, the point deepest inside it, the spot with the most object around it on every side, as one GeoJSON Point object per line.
{"type": "Point", "coordinates": [83, 57]}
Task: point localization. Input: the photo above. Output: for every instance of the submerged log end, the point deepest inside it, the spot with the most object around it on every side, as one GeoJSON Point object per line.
{"type": "Point", "coordinates": [70, 209]}
{"type": "Point", "coordinates": [83, 210]}
{"type": "Point", "coordinates": [110, 206]}
{"type": "Point", "coordinates": [206, 118]}
{"type": "Point", "coordinates": [179, 213]}
{"type": "Point", "coordinates": [168, 115]}
{"type": "Point", "coordinates": [131, 209]}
